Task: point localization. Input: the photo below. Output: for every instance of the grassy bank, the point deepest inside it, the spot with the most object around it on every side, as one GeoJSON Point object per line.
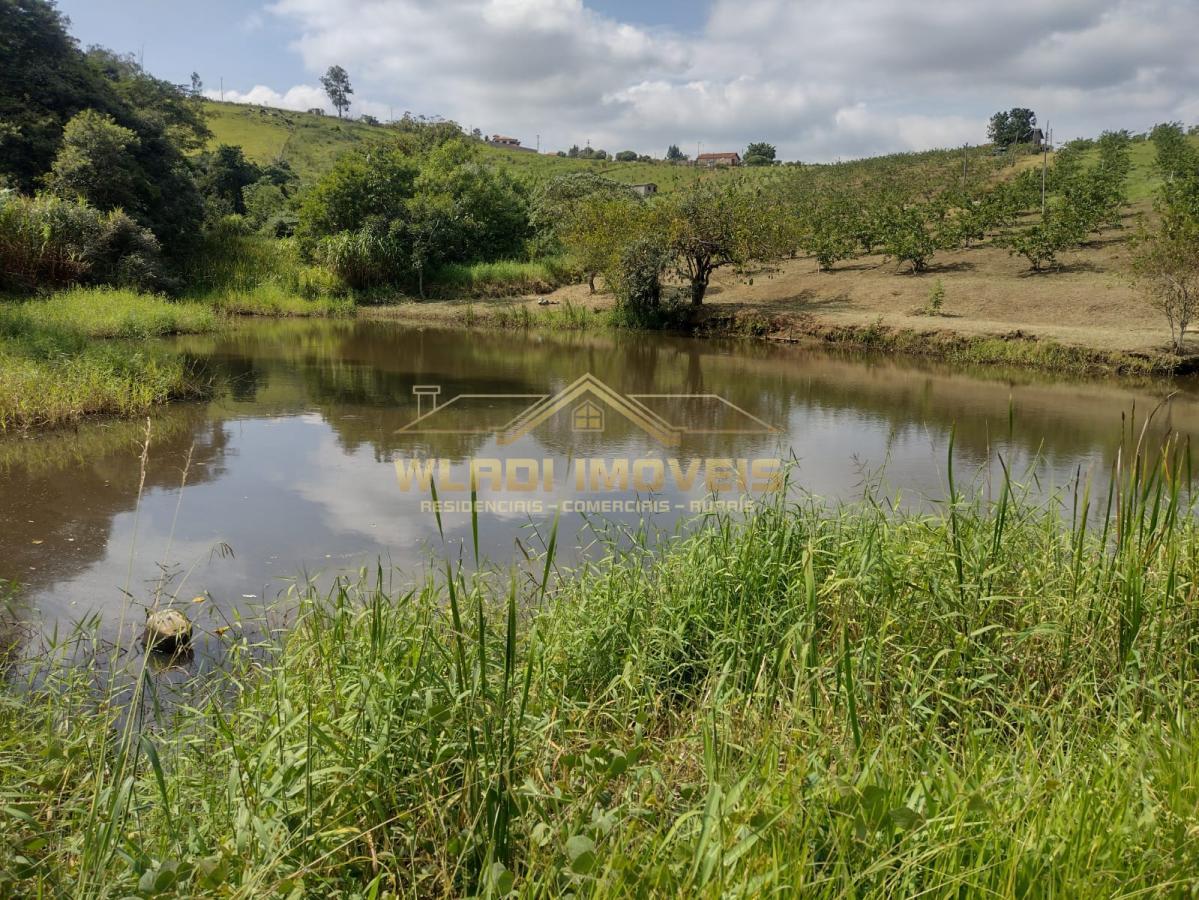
{"type": "Point", "coordinates": [1013, 349]}
{"type": "Point", "coordinates": [55, 368]}
{"type": "Point", "coordinates": [936, 339]}
{"type": "Point", "coordinates": [502, 279]}
{"type": "Point", "coordinates": [989, 700]}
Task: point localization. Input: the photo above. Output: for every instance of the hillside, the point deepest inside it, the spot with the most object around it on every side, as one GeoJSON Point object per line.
{"type": "Point", "coordinates": [311, 143]}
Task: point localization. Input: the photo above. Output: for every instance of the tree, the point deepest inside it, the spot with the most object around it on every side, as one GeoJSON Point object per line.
{"type": "Point", "coordinates": [95, 163]}
{"type": "Point", "coordinates": [385, 215]}
{"type": "Point", "coordinates": [222, 176]}
{"type": "Point", "coordinates": [197, 84]}
{"type": "Point", "coordinates": [431, 218]}
{"type": "Point", "coordinates": [556, 202]}
{"type": "Point", "coordinates": [600, 225]}
{"type": "Point", "coordinates": [1165, 267]}
{"type": "Point", "coordinates": [1012, 127]}
{"type": "Point", "coordinates": [910, 233]}
{"type": "Point", "coordinates": [361, 186]}
{"type": "Point", "coordinates": [1040, 242]}
{"type": "Point", "coordinates": [336, 83]}
{"type": "Point", "coordinates": [707, 228]}
{"type": "Point", "coordinates": [626, 156]}
{"type": "Point", "coordinates": [1178, 165]}
{"type": "Point", "coordinates": [760, 154]}
{"type": "Point", "coordinates": [674, 154]}
{"type": "Point", "coordinates": [44, 81]}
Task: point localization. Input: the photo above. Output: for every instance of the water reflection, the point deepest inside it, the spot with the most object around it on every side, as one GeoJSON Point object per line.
{"type": "Point", "coordinates": [292, 467]}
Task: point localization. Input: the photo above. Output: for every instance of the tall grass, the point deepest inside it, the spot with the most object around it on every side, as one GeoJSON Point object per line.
{"type": "Point", "coordinates": [994, 699]}
{"type": "Point", "coordinates": [53, 371]}
{"type": "Point", "coordinates": [107, 313]}
{"type": "Point", "coordinates": [501, 279]}
{"type": "Point", "coordinates": [250, 274]}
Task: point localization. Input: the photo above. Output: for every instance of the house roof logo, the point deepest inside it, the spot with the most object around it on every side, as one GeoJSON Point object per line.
{"type": "Point", "coordinates": [591, 404]}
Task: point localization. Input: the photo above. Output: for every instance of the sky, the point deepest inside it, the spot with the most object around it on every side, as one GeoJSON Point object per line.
{"type": "Point", "coordinates": [820, 79]}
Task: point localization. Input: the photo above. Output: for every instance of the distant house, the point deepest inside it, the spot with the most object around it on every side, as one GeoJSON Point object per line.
{"type": "Point", "coordinates": [1036, 137]}
{"type": "Point", "coordinates": [507, 143]}
{"type": "Point", "coordinates": [645, 190]}
{"type": "Point", "coordinates": [711, 160]}
{"type": "Point", "coordinates": [316, 111]}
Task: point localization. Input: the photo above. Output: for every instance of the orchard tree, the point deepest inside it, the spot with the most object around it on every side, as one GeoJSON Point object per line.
{"type": "Point", "coordinates": [707, 228]}
{"type": "Point", "coordinates": [1165, 266]}
{"type": "Point", "coordinates": [336, 83]}
{"type": "Point", "coordinates": [1041, 242]}
{"type": "Point", "coordinates": [912, 233]}
{"type": "Point", "coordinates": [598, 228]}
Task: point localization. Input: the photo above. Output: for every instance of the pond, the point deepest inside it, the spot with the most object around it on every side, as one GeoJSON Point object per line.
{"type": "Point", "coordinates": [292, 472]}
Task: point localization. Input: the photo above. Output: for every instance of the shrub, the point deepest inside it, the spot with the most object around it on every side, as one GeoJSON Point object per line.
{"type": "Point", "coordinates": [47, 242]}
{"type": "Point", "coordinates": [638, 277]}
{"type": "Point", "coordinates": [936, 299]}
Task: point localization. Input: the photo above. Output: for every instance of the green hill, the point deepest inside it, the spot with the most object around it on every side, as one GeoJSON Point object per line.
{"type": "Point", "coordinates": [311, 142]}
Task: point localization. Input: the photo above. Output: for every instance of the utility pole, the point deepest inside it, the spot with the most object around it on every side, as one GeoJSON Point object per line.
{"type": "Point", "coordinates": [222, 88]}
{"type": "Point", "coordinates": [1045, 164]}
{"type": "Point", "coordinates": [538, 143]}
{"type": "Point", "coordinates": [965, 156]}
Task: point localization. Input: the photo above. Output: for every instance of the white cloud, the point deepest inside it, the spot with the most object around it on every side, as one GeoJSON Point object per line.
{"type": "Point", "coordinates": [821, 79]}
{"type": "Point", "coordinates": [301, 97]}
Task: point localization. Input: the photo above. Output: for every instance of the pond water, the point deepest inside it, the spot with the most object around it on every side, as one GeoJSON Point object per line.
{"type": "Point", "coordinates": [292, 472]}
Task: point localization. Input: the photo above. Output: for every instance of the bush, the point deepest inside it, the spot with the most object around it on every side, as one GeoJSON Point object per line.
{"type": "Point", "coordinates": [637, 282]}
{"type": "Point", "coordinates": [47, 243]}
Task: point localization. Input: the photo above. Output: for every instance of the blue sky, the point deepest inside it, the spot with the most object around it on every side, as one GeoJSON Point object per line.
{"type": "Point", "coordinates": [820, 78]}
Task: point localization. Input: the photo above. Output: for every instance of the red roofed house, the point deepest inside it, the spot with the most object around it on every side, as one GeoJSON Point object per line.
{"type": "Point", "coordinates": [508, 143]}
{"type": "Point", "coordinates": [711, 160]}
